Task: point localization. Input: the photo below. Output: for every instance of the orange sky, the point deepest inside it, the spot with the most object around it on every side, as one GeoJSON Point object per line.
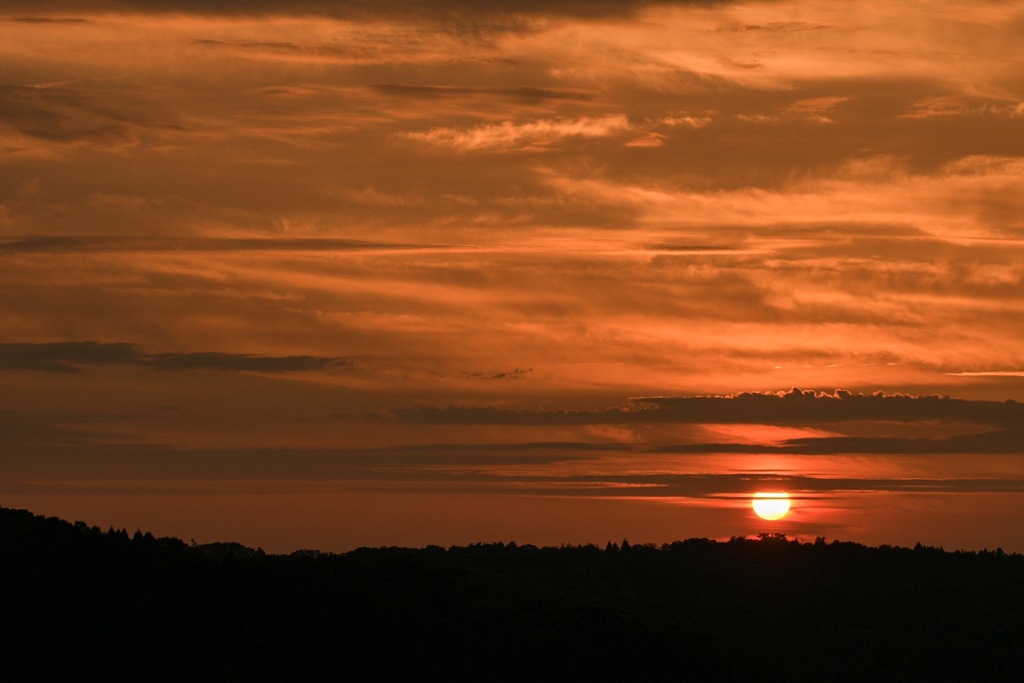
{"type": "Point", "coordinates": [367, 273]}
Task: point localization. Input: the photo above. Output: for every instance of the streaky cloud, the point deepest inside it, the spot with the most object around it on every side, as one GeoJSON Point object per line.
{"type": "Point", "coordinates": [359, 9]}
{"type": "Point", "coordinates": [72, 356]}
{"type": "Point", "coordinates": [454, 471]}
{"type": "Point", "coordinates": [230, 361]}
{"type": "Point", "coordinates": [65, 356]}
{"type": "Point", "coordinates": [77, 244]}
{"type": "Point", "coordinates": [801, 407]}
{"type": "Point", "coordinates": [62, 116]}
{"type": "Point", "coordinates": [539, 135]}
{"type": "Point", "coordinates": [525, 94]}
{"type": "Point", "coordinates": [49, 20]}
{"type": "Point", "coordinates": [795, 407]}
{"type": "Point", "coordinates": [1005, 441]}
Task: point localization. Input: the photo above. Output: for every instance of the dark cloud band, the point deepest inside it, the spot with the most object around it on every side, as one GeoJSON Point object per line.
{"type": "Point", "coordinates": [71, 356]}
{"type": "Point", "coordinates": [793, 408]}
{"type": "Point", "coordinates": [33, 9]}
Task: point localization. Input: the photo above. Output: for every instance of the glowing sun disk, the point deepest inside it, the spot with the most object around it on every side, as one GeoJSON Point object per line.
{"type": "Point", "coordinates": [771, 506]}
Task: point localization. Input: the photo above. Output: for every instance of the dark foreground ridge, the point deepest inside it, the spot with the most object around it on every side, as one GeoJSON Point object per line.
{"type": "Point", "coordinates": [77, 603]}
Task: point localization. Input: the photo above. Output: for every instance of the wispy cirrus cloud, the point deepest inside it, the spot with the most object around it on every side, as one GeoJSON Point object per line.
{"type": "Point", "coordinates": [953, 201]}
{"type": "Point", "coordinates": [532, 136]}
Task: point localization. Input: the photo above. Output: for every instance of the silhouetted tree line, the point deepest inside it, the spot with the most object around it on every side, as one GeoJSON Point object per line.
{"type": "Point", "coordinates": [78, 603]}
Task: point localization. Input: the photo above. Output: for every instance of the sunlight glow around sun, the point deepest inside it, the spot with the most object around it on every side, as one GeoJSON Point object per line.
{"type": "Point", "coordinates": [771, 506]}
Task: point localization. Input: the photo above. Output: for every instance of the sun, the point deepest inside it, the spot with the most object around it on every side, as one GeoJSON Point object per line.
{"type": "Point", "coordinates": [771, 506]}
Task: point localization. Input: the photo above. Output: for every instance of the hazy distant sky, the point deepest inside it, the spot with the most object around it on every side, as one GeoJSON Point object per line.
{"type": "Point", "coordinates": [367, 273]}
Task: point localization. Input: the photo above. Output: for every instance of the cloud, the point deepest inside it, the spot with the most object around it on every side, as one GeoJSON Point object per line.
{"type": "Point", "coordinates": [667, 486]}
{"type": "Point", "coordinates": [815, 108]}
{"type": "Point", "coordinates": [540, 135]}
{"type": "Point", "coordinates": [649, 140]}
{"type": "Point", "coordinates": [60, 115]}
{"type": "Point", "coordinates": [990, 373]}
{"type": "Point", "coordinates": [48, 20]}
{"type": "Point", "coordinates": [517, 373]}
{"type": "Point", "coordinates": [969, 426]}
{"type": "Point", "coordinates": [524, 469]}
{"type": "Point", "coordinates": [355, 9]}
{"type": "Point", "coordinates": [65, 356]}
{"type": "Point", "coordinates": [997, 442]}
{"type": "Point", "coordinates": [772, 27]}
{"type": "Point", "coordinates": [797, 407]}
{"type": "Point", "coordinates": [687, 120]}
{"type": "Point", "coordinates": [962, 105]}
{"type": "Point", "coordinates": [520, 94]}
{"type": "Point", "coordinates": [33, 430]}
{"type": "Point", "coordinates": [966, 196]}
{"type": "Point", "coordinates": [361, 48]}
{"type": "Point", "coordinates": [240, 362]}
{"type": "Point", "coordinates": [61, 244]}
{"type": "Point", "coordinates": [792, 408]}
{"type": "Point", "coordinates": [71, 356]}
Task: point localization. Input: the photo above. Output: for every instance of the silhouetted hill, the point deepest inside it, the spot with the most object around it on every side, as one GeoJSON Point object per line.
{"type": "Point", "coordinates": [77, 603]}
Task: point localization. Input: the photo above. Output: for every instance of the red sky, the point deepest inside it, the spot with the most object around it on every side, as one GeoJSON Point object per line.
{"type": "Point", "coordinates": [329, 274]}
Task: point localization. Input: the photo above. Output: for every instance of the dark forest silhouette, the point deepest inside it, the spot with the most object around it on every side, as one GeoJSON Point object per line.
{"type": "Point", "coordinates": [78, 603]}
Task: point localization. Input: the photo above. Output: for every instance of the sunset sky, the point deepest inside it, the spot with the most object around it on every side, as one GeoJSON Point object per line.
{"type": "Point", "coordinates": [330, 274]}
